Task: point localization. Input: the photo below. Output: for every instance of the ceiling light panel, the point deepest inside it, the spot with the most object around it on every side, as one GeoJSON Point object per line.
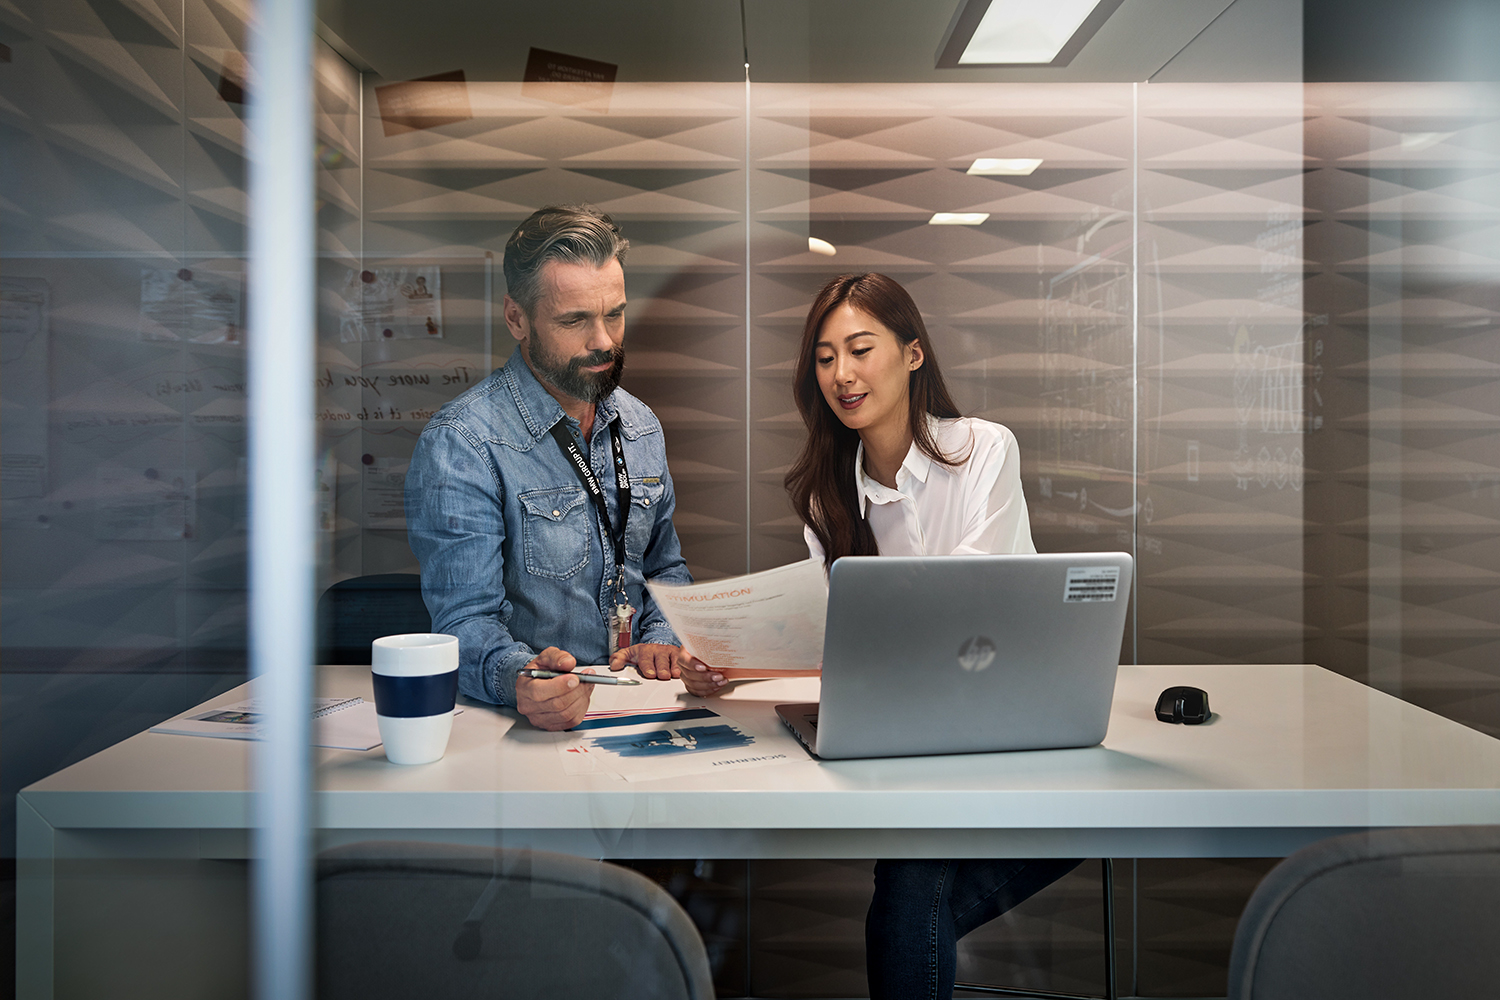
{"type": "Point", "coordinates": [1024, 31]}
{"type": "Point", "coordinates": [1018, 167]}
{"type": "Point", "coordinates": [1021, 32]}
{"type": "Point", "coordinates": [957, 218]}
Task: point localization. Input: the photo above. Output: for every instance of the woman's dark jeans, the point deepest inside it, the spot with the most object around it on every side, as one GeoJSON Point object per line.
{"type": "Point", "coordinates": [921, 908]}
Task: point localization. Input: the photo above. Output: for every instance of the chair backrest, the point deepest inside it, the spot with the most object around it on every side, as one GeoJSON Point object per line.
{"type": "Point", "coordinates": [444, 922]}
{"type": "Point", "coordinates": [1406, 913]}
{"type": "Point", "coordinates": [353, 613]}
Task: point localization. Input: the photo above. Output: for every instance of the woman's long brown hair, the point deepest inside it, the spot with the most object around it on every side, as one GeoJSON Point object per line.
{"type": "Point", "coordinates": [821, 481]}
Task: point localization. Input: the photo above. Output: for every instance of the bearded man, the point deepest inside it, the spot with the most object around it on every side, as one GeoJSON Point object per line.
{"type": "Point", "coordinates": [538, 502]}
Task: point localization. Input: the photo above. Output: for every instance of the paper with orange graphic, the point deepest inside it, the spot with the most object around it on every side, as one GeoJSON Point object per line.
{"type": "Point", "coordinates": [767, 624]}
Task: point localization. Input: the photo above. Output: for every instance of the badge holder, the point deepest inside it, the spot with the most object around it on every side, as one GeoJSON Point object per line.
{"type": "Point", "coordinates": [622, 620]}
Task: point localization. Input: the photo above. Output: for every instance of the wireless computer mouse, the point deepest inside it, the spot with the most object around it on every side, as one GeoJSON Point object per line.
{"type": "Point", "coordinates": [1188, 705]}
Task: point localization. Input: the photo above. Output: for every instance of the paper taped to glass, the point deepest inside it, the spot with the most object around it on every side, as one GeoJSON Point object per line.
{"type": "Point", "coordinates": [767, 624]}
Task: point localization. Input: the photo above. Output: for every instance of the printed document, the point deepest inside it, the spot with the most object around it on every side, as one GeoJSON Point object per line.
{"type": "Point", "coordinates": [338, 723]}
{"type": "Point", "coordinates": [651, 743]}
{"type": "Point", "coordinates": [767, 624]}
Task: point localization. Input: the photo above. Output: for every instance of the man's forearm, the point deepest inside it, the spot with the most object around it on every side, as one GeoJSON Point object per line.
{"type": "Point", "coordinates": [488, 658]}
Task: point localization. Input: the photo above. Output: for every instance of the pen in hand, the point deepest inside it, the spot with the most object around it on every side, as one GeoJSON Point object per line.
{"type": "Point", "coordinates": [547, 675]}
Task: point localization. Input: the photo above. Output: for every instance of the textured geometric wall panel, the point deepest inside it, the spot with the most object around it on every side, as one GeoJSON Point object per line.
{"type": "Point", "coordinates": [667, 161]}
{"type": "Point", "coordinates": [1221, 353]}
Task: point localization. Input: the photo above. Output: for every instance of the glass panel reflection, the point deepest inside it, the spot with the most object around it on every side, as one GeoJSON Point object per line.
{"type": "Point", "coordinates": [1404, 255]}
{"type": "Point", "coordinates": [1246, 332]}
{"type": "Point", "coordinates": [124, 480]}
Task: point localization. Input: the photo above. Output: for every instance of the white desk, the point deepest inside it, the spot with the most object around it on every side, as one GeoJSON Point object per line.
{"type": "Point", "coordinates": [1295, 753]}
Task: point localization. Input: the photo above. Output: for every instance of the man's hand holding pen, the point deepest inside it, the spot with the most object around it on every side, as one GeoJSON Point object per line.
{"type": "Point", "coordinates": [560, 702]}
{"type": "Point", "coordinates": [557, 703]}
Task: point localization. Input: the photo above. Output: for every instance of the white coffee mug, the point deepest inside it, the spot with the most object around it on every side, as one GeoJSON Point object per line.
{"type": "Point", "coordinates": [416, 681]}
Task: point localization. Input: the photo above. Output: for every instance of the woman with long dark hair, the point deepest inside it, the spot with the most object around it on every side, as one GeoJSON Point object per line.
{"type": "Point", "coordinates": [890, 467]}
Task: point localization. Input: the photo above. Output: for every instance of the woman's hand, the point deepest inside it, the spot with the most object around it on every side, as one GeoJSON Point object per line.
{"type": "Point", "coordinates": [699, 678]}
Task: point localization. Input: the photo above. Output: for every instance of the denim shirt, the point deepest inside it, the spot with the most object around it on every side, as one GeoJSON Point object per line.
{"type": "Point", "coordinates": [513, 556]}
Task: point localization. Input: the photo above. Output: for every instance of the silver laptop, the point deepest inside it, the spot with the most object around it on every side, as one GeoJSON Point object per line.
{"type": "Point", "coordinates": [964, 654]}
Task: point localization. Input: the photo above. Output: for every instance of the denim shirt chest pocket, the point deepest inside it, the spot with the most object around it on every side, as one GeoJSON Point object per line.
{"type": "Point", "coordinates": [646, 495]}
{"type": "Point", "coordinates": [555, 531]}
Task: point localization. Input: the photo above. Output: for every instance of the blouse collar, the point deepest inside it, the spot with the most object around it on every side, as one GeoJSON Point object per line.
{"type": "Point", "coordinates": [915, 464]}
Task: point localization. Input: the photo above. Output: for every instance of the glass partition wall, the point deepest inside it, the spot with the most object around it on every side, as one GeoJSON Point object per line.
{"type": "Point", "coordinates": [1244, 331]}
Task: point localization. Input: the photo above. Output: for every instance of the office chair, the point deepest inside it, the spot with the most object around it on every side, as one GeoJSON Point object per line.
{"type": "Point", "coordinates": [1409, 913]}
{"type": "Point", "coordinates": [353, 613]}
{"type": "Point", "coordinates": [443, 922]}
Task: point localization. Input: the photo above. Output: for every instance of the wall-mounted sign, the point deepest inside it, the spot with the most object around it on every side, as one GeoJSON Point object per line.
{"type": "Point", "coordinates": [565, 79]}
{"type": "Point", "coordinates": [427, 102]}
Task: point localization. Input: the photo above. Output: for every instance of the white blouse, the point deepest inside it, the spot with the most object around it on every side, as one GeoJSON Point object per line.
{"type": "Point", "coordinates": [976, 508]}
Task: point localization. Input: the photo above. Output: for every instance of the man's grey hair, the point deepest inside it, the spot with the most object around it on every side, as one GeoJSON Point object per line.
{"type": "Point", "coordinates": [573, 234]}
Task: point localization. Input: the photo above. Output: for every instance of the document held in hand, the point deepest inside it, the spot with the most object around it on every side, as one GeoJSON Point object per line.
{"type": "Point", "coordinates": [767, 624]}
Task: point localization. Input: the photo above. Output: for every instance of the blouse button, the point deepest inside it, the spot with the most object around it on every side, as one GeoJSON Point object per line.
{"type": "Point", "coordinates": [646, 502]}
{"type": "Point", "coordinates": [557, 513]}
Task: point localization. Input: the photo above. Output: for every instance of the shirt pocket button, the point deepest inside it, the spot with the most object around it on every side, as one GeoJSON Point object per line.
{"type": "Point", "coordinates": [557, 513]}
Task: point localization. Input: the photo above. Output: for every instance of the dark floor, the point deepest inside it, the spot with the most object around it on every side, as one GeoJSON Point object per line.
{"type": "Point", "coordinates": [7, 929]}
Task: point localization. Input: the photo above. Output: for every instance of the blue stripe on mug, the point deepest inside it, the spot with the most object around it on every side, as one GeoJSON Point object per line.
{"type": "Point", "coordinates": [415, 697]}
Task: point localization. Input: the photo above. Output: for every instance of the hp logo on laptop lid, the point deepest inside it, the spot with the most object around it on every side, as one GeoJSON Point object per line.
{"type": "Point", "coordinates": [976, 653]}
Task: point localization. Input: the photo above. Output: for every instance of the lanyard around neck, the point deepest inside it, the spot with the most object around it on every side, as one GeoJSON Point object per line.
{"type": "Point", "coordinates": [596, 492]}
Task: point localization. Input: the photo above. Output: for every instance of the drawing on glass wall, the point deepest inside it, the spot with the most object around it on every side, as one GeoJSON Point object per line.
{"type": "Point", "coordinates": [392, 303]}
{"type": "Point", "coordinates": [1269, 378]}
{"type": "Point", "coordinates": [146, 505]}
{"type": "Point", "coordinates": [191, 305]}
{"type": "Point", "coordinates": [23, 349]}
{"type": "Point", "coordinates": [1086, 392]}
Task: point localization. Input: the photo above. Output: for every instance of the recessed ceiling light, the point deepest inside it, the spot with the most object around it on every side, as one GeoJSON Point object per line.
{"type": "Point", "coordinates": [957, 218]}
{"type": "Point", "coordinates": [1415, 142]}
{"type": "Point", "coordinates": [821, 246]}
{"type": "Point", "coordinates": [1021, 32]}
{"type": "Point", "coordinates": [1003, 168]}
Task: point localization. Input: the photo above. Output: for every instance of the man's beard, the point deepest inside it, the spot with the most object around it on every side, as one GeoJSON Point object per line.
{"type": "Point", "coordinates": [567, 374]}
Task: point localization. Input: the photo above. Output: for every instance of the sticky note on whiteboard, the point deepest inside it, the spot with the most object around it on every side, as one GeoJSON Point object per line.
{"type": "Point", "coordinates": [1086, 584]}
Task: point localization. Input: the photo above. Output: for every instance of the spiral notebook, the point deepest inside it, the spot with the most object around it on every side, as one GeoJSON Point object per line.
{"type": "Point", "coordinates": [338, 723]}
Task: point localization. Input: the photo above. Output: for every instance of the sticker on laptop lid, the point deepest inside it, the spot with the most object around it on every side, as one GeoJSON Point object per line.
{"type": "Point", "coordinates": [1087, 584]}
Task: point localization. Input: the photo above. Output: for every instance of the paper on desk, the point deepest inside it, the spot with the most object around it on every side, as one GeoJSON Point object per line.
{"type": "Point", "coordinates": [338, 723]}
{"type": "Point", "coordinates": [767, 624]}
{"type": "Point", "coordinates": [646, 744]}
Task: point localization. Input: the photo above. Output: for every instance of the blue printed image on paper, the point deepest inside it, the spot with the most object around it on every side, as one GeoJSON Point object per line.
{"type": "Point", "coordinates": [672, 742]}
